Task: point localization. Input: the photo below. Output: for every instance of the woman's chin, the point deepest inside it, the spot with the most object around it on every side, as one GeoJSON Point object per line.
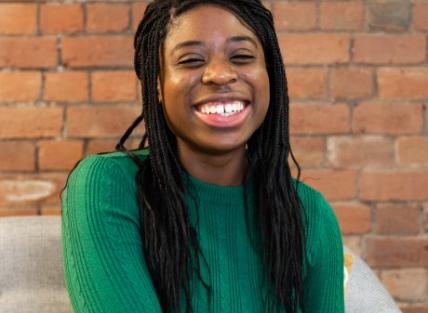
{"type": "Point", "coordinates": [219, 147]}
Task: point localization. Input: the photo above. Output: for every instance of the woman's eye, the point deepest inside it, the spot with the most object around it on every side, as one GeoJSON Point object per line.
{"type": "Point", "coordinates": [242, 58]}
{"type": "Point", "coordinates": [191, 61]}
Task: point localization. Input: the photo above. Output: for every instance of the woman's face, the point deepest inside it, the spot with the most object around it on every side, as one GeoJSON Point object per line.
{"type": "Point", "coordinates": [214, 86]}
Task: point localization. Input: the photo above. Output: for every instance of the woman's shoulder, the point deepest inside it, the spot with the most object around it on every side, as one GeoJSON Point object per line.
{"type": "Point", "coordinates": [120, 158]}
{"type": "Point", "coordinates": [109, 164]}
{"type": "Point", "coordinates": [307, 194]}
{"type": "Point", "coordinates": [103, 184]}
{"type": "Point", "coordinates": [316, 207]}
{"type": "Point", "coordinates": [104, 172]}
{"type": "Point", "coordinates": [323, 229]}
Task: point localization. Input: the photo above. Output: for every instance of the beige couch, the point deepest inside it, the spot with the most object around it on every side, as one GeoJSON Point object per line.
{"type": "Point", "coordinates": [32, 279]}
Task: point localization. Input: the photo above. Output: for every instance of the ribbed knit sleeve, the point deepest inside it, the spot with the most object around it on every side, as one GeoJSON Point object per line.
{"type": "Point", "coordinates": [324, 287]}
{"type": "Point", "coordinates": [104, 266]}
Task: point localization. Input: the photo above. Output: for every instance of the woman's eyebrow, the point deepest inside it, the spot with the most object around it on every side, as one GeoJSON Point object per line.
{"type": "Point", "coordinates": [201, 43]}
{"type": "Point", "coordinates": [242, 38]}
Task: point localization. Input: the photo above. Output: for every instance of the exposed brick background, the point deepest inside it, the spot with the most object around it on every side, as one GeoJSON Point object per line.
{"type": "Point", "coordinates": [358, 82]}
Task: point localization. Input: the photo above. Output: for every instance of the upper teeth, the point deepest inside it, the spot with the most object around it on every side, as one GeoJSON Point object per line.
{"type": "Point", "coordinates": [222, 108]}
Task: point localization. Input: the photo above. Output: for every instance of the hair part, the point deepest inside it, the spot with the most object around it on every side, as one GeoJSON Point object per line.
{"type": "Point", "coordinates": [170, 242]}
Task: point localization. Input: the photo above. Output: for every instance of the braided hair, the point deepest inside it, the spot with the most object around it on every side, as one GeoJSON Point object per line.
{"type": "Point", "coordinates": [169, 240]}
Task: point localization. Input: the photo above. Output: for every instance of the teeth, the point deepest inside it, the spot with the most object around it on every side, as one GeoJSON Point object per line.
{"type": "Point", "coordinates": [224, 109]}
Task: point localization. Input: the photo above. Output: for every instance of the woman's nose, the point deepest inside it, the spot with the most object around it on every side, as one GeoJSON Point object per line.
{"type": "Point", "coordinates": [219, 72]}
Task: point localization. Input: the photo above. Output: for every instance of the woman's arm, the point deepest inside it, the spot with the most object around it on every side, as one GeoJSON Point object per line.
{"type": "Point", "coordinates": [104, 266]}
{"type": "Point", "coordinates": [324, 284]}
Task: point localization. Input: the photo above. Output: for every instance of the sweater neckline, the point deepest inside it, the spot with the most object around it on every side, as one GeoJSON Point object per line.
{"type": "Point", "coordinates": [219, 194]}
{"type": "Point", "coordinates": [215, 193]}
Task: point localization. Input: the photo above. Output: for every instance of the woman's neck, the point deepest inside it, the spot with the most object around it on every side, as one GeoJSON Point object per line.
{"type": "Point", "coordinates": [226, 169]}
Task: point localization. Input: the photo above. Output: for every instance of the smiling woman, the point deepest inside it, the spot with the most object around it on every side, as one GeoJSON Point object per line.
{"type": "Point", "coordinates": [214, 91]}
{"type": "Point", "coordinates": [205, 216]}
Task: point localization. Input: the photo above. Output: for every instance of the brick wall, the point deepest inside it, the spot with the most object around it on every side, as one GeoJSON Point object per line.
{"type": "Point", "coordinates": [358, 80]}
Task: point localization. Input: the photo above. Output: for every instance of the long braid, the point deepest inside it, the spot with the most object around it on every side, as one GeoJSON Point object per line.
{"type": "Point", "coordinates": [168, 237]}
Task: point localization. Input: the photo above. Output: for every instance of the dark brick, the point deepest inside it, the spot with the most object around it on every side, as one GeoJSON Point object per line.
{"type": "Point", "coordinates": [389, 15]}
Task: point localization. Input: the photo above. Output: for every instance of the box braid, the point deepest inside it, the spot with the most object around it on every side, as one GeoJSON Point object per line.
{"type": "Point", "coordinates": [170, 243]}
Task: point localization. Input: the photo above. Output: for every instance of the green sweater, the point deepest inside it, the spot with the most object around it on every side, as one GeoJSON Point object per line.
{"type": "Point", "coordinates": [105, 270]}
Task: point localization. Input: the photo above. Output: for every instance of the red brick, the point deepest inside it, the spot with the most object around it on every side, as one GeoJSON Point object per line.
{"type": "Point", "coordinates": [138, 9]}
{"type": "Point", "coordinates": [335, 185]}
{"type": "Point", "coordinates": [38, 189]}
{"type": "Point", "coordinates": [391, 15]}
{"type": "Point", "coordinates": [381, 118]}
{"type": "Point", "coordinates": [20, 86]}
{"type": "Point", "coordinates": [101, 121]}
{"type": "Point", "coordinates": [397, 219]}
{"type": "Point", "coordinates": [398, 251]}
{"type": "Point", "coordinates": [295, 16]}
{"type": "Point", "coordinates": [319, 119]}
{"type": "Point", "coordinates": [403, 83]}
{"type": "Point", "coordinates": [17, 19]}
{"type": "Point", "coordinates": [104, 17]}
{"type": "Point", "coordinates": [59, 155]}
{"type": "Point", "coordinates": [53, 211]}
{"type": "Point", "coordinates": [420, 13]}
{"type": "Point", "coordinates": [18, 212]}
{"type": "Point", "coordinates": [406, 284]}
{"type": "Point", "coordinates": [306, 83]}
{"type": "Point", "coordinates": [30, 122]}
{"type": "Point", "coordinates": [314, 48]}
{"type": "Point", "coordinates": [114, 86]}
{"type": "Point", "coordinates": [17, 156]}
{"type": "Point", "coordinates": [66, 86]}
{"type": "Point", "coordinates": [390, 49]}
{"type": "Point", "coordinates": [351, 83]}
{"type": "Point", "coordinates": [412, 150]}
{"type": "Point", "coordinates": [34, 52]}
{"type": "Point", "coordinates": [341, 16]}
{"type": "Point", "coordinates": [100, 145]}
{"type": "Point", "coordinates": [21, 191]}
{"type": "Point", "coordinates": [104, 145]}
{"type": "Point", "coordinates": [61, 18]}
{"type": "Point", "coordinates": [353, 218]}
{"type": "Point", "coordinates": [99, 51]}
{"type": "Point", "coordinates": [308, 151]}
{"type": "Point", "coordinates": [361, 151]}
{"type": "Point", "coordinates": [394, 185]}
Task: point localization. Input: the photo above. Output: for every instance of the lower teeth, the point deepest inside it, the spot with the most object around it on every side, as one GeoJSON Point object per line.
{"type": "Point", "coordinates": [227, 114]}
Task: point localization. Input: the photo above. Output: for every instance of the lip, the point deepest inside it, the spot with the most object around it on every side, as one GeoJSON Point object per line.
{"type": "Point", "coordinates": [219, 121]}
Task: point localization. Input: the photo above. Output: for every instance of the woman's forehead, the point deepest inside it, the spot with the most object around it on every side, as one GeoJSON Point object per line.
{"type": "Point", "coordinates": [204, 23]}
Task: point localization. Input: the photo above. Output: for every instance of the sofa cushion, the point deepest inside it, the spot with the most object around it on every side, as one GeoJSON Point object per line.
{"type": "Point", "coordinates": [31, 272]}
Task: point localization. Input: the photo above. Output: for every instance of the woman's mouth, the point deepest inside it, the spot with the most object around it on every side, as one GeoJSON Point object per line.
{"type": "Point", "coordinates": [223, 113]}
{"type": "Point", "coordinates": [221, 108]}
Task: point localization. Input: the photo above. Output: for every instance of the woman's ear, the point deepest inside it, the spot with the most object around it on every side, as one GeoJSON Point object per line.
{"type": "Point", "coordinates": [159, 90]}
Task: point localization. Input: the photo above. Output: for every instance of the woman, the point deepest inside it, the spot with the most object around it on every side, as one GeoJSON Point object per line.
{"type": "Point", "coordinates": [208, 218]}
